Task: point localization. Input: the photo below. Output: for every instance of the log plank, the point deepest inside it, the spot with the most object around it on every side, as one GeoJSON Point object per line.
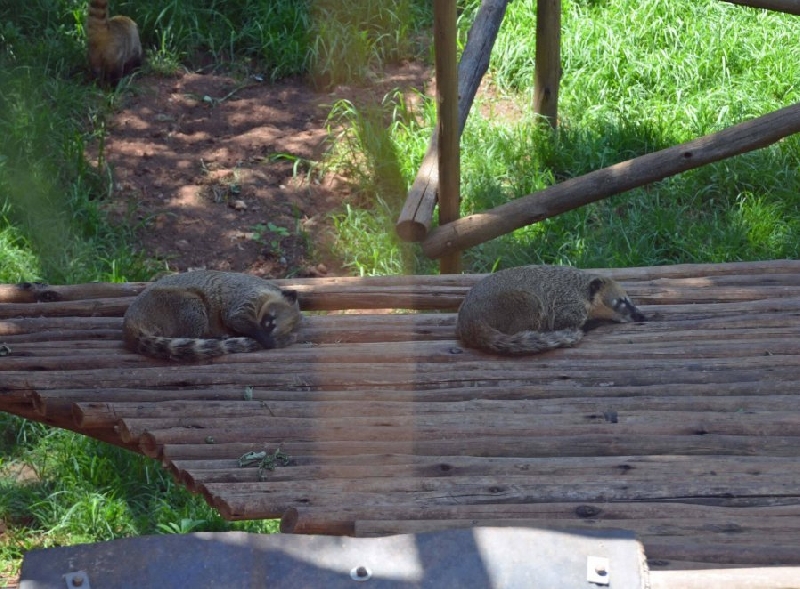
{"type": "Point", "coordinates": [315, 520]}
{"type": "Point", "coordinates": [488, 446]}
{"type": "Point", "coordinates": [93, 414]}
{"type": "Point", "coordinates": [684, 429]}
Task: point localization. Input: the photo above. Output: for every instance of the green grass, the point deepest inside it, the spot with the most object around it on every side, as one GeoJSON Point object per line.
{"type": "Point", "coordinates": [639, 76]}
{"type": "Point", "coordinates": [364, 148]}
{"type": "Point", "coordinates": [81, 490]}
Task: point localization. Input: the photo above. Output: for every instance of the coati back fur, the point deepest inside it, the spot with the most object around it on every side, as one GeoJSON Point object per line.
{"type": "Point", "coordinates": [531, 309]}
{"type": "Point", "coordinates": [114, 46]}
{"type": "Point", "coordinates": [202, 314]}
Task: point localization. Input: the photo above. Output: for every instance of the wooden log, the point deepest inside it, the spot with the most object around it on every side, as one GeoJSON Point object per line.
{"type": "Point", "coordinates": [315, 520]}
{"type": "Point", "coordinates": [106, 307]}
{"type": "Point", "coordinates": [349, 293]}
{"type": "Point", "coordinates": [725, 545]}
{"type": "Point", "coordinates": [74, 361]}
{"type": "Point", "coordinates": [34, 325]}
{"type": "Point", "coordinates": [19, 401]}
{"type": "Point", "coordinates": [562, 369]}
{"type": "Point", "coordinates": [416, 217]}
{"type": "Point", "coordinates": [177, 445]}
{"type": "Point", "coordinates": [320, 329]}
{"type": "Point", "coordinates": [733, 396]}
{"type": "Point", "coordinates": [267, 499]}
{"type": "Point", "coordinates": [655, 339]}
{"type": "Point", "coordinates": [37, 292]}
{"type": "Point", "coordinates": [548, 60]}
{"type": "Point", "coordinates": [634, 469]}
{"type": "Point", "coordinates": [107, 435]}
{"type": "Point", "coordinates": [62, 335]}
{"type": "Point", "coordinates": [276, 499]}
{"type": "Point", "coordinates": [616, 439]}
{"type": "Point", "coordinates": [703, 548]}
{"type": "Point", "coordinates": [89, 414]}
{"type": "Point", "coordinates": [687, 295]}
{"type": "Point", "coordinates": [459, 426]}
{"type": "Point", "coordinates": [700, 270]}
{"type": "Point", "coordinates": [722, 281]}
{"type": "Point", "coordinates": [575, 192]}
{"type": "Point", "coordinates": [571, 446]}
{"type": "Point", "coordinates": [723, 311]}
{"type": "Point", "coordinates": [737, 322]}
{"type": "Point", "coordinates": [732, 530]}
{"type": "Point", "coordinates": [60, 413]}
{"type": "Point", "coordinates": [332, 285]}
{"type": "Point", "coordinates": [398, 328]}
{"type": "Point", "coordinates": [429, 282]}
{"type": "Point", "coordinates": [788, 6]}
{"type": "Point", "coordinates": [445, 32]}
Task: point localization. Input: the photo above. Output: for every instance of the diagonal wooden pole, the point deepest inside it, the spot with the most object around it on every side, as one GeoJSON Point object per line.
{"type": "Point", "coordinates": [576, 192]}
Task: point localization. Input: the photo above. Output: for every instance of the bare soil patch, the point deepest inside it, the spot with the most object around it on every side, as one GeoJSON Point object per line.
{"type": "Point", "coordinates": [204, 165]}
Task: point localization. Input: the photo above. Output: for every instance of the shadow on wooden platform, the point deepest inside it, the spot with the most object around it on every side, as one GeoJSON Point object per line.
{"type": "Point", "coordinates": [685, 429]}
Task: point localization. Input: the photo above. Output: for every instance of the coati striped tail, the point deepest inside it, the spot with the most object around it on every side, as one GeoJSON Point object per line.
{"type": "Point", "coordinates": [531, 342]}
{"type": "Point", "coordinates": [189, 349]}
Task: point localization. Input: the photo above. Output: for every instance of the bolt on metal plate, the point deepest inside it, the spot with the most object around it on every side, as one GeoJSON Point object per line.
{"type": "Point", "coordinates": [360, 573]}
{"type": "Point", "coordinates": [598, 570]}
{"type": "Point", "coordinates": [77, 579]}
{"type": "Point", "coordinates": [471, 558]}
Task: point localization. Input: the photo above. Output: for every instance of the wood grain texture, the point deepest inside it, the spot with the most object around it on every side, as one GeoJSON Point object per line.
{"type": "Point", "coordinates": [685, 429]}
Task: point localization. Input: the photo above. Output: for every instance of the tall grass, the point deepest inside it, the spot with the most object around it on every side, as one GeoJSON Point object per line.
{"type": "Point", "coordinates": [365, 144]}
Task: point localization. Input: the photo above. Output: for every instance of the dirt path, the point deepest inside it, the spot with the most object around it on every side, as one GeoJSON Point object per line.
{"type": "Point", "coordinates": [204, 165]}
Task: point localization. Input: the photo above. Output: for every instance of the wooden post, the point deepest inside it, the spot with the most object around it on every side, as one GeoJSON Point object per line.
{"type": "Point", "coordinates": [548, 59]}
{"type": "Point", "coordinates": [444, 32]}
{"type": "Point", "coordinates": [600, 184]}
{"type": "Point", "coordinates": [416, 217]}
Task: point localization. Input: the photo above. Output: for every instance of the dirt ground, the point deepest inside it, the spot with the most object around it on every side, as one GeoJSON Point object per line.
{"type": "Point", "coordinates": [203, 166]}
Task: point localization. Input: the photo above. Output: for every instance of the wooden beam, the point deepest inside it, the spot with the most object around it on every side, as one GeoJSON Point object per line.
{"type": "Point", "coordinates": [445, 31]}
{"type": "Point", "coordinates": [577, 192]}
{"type": "Point", "coordinates": [789, 6]}
{"type": "Point", "coordinates": [415, 219]}
{"type": "Point", "coordinates": [548, 59]}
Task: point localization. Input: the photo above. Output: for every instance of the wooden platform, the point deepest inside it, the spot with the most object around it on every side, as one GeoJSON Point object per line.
{"type": "Point", "coordinates": [685, 429]}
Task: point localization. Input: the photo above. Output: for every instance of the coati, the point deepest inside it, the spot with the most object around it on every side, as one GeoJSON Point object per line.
{"type": "Point", "coordinates": [531, 309]}
{"type": "Point", "coordinates": [202, 314]}
{"type": "Point", "coordinates": [114, 46]}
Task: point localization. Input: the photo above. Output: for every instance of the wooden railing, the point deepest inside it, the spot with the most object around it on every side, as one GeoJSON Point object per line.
{"type": "Point", "coordinates": [453, 234]}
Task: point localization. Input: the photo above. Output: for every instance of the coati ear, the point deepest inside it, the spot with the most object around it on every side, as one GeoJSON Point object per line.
{"type": "Point", "coordinates": [594, 287]}
{"type": "Point", "coordinates": [290, 295]}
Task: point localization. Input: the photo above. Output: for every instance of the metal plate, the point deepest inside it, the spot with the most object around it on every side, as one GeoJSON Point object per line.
{"type": "Point", "coordinates": [469, 558]}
